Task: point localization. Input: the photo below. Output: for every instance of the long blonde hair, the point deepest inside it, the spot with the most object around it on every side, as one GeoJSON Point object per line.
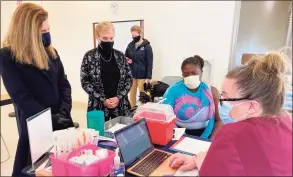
{"type": "Point", "coordinates": [24, 37]}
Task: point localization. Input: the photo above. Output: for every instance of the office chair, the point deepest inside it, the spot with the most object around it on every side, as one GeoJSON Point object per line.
{"type": "Point", "coordinates": [17, 118]}
{"type": "Point", "coordinates": [8, 153]}
{"type": "Point", "coordinates": [12, 114]}
{"type": "Point", "coordinates": [171, 80]}
{"type": "Point", "coordinates": [76, 125]}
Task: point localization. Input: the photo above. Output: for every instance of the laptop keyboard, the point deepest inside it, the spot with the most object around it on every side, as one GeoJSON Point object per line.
{"type": "Point", "coordinates": [151, 163]}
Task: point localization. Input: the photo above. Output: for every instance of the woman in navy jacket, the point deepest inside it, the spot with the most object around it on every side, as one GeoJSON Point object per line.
{"type": "Point", "coordinates": [140, 58]}
{"type": "Point", "coordinates": [33, 75]}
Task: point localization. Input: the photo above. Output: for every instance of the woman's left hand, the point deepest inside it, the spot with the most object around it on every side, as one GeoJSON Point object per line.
{"type": "Point", "coordinates": [182, 162]}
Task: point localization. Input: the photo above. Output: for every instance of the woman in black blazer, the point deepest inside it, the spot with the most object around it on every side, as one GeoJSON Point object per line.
{"type": "Point", "coordinates": [33, 75]}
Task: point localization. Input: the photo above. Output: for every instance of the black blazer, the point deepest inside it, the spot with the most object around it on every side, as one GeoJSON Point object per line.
{"type": "Point", "coordinates": [33, 90]}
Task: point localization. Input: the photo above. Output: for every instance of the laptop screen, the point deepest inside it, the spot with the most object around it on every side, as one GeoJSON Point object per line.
{"type": "Point", "coordinates": [40, 132]}
{"type": "Point", "coordinates": [133, 142]}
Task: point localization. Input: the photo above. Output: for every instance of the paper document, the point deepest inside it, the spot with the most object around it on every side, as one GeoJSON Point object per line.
{"type": "Point", "coordinates": [116, 127]}
{"type": "Point", "coordinates": [186, 173]}
{"type": "Point", "coordinates": [192, 146]}
{"type": "Point", "coordinates": [106, 138]}
{"type": "Point", "coordinates": [179, 132]}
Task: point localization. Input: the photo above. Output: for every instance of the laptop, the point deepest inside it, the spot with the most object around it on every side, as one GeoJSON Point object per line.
{"type": "Point", "coordinates": [138, 153]}
{"type": "Point", "coordinates": [40, 129]}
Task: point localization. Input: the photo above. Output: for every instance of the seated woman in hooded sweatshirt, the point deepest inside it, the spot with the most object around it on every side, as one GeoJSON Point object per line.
{"type": "Point", "coordinates": [194, 102]}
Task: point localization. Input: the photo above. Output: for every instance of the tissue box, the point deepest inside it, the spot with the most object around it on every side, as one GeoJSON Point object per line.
{"type": "Point", "coordinates": [118, 122]}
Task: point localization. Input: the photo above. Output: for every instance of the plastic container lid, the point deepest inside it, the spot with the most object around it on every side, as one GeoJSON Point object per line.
{"type": "Point", "coordinates": [155, 111]}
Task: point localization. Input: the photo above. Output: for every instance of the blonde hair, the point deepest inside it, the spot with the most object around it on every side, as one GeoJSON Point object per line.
{"type": "Point", "coordinates": [24, 37]}
{"type": "Point", "coordinates": [262, 79]}
{"type": "Point", "coordinates": [104, 26]}
{"type": "Point", "coordinates": [135, 28]}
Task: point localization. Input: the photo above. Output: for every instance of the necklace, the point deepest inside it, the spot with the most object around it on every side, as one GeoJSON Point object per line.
{"type": "Point", "coordinates": [105, 59]}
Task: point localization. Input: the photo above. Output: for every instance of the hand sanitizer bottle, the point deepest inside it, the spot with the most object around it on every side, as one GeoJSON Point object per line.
{"type": "Point", "coordinates": [118, 167]}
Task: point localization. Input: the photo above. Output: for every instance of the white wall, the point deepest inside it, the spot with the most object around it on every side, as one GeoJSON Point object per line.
{"type": "Point", "coordinates": [122, 35]}
{"type": "Point", "coordinates": [262, 27]}
{"type": "Point", "coordinates": [176, 30]}
{"type": "Point", "coordinates": [7, 9]}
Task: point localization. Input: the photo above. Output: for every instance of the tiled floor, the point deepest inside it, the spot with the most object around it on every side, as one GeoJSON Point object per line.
{"type": "Point", "coordinates": [10, 134]}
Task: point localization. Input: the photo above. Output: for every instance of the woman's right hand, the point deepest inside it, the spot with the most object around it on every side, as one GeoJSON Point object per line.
{"type": "Point", "coordinates": [182, 162]}
{"type": "Point", "coordinates": [129, 60]}
{"type": "Point", "coordinates": [108, 103]}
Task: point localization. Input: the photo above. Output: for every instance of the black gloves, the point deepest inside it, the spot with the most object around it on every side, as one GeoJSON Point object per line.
{"type": "Point", "coordinates": [60, 122]}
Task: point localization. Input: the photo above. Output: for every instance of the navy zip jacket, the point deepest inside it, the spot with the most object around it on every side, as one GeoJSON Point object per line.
{"type": "Point", "coordinates": [142, 59]}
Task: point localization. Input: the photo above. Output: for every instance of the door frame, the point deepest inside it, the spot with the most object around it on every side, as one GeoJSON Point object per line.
{"type": "Point", "coordinates": [234, 34]}
{"type": "Point", "coordinates": [141, 26]}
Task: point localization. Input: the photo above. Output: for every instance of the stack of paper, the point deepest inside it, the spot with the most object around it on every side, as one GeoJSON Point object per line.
{"type": "Point", "coordinates": [116, 127]}
{"type": "Point", "coordinates": [191, 145]}
{"type": "Point", "coordinates": [179, 132]}
{"type": "Point", "coordinates": [103, 138]}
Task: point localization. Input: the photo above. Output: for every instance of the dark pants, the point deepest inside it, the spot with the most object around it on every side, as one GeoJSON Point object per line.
{"type": "Point", "coordinates": [110, 116]}
{"type": "Point", "coordinates": [22, 156]}
{"type": "Point", "coordinates": [196, 132]}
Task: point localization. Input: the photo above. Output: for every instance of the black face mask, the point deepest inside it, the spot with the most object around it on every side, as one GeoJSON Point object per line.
{"type": "Point", "coordinates": [46, 38]}
{"type": "Point", "coordinates": [106, 46]}
{"type": "Point", "coordinates": [136, 39]}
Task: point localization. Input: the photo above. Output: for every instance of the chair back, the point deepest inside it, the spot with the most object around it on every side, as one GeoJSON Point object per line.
{"type": "Point", "coordinates": [171, 80]}
{"type": "Point", "coordinates": [17, 118]}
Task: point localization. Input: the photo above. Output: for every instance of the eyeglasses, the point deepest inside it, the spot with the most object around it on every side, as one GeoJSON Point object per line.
{"type": "Point", "coordinates": [230, 99]}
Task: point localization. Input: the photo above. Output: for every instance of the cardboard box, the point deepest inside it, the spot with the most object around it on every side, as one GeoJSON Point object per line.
{"type": "Point", "coordinates": [247, 56]}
